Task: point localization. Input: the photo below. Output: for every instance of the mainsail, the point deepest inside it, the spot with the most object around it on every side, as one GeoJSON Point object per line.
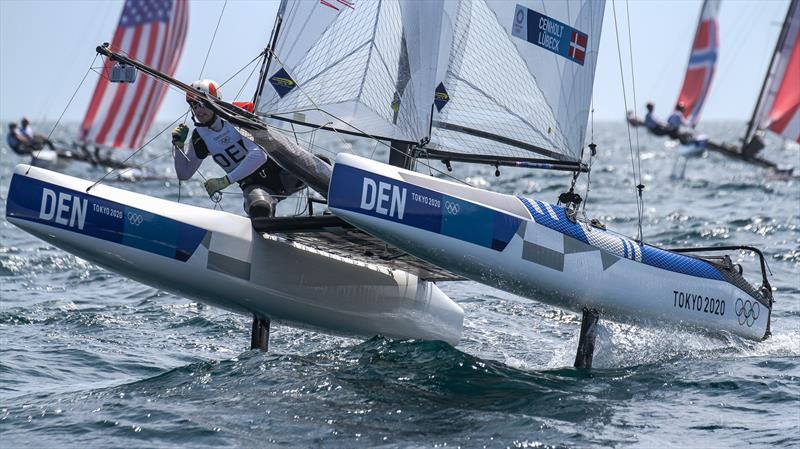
{"type": "Point", "coordinates": [778, 106]}
{"type": "Point", "coordinates": [364, 67]}
{"type": "Point", "coordinates": [702, 62]}
{"type": "Point", "coordinates": [120, 114]}
{"type": "Point", "coordinates": [515, 78]}
{"type": "Point", "coordinates": [411, 71]}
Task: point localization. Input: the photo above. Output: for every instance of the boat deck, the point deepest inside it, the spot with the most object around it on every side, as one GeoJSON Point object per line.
{"type": "Point", "coordinates": [335, 236]}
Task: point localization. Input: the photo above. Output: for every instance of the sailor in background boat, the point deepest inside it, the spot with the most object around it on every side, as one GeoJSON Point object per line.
{"type": "Point", "coordinates": [653, 123]}
{"type": "Point", "coordinates": [22, 139]}
{"type": "Point", "coordinates": [676, 121]}
{"type": "Point", "coordinates": [263, 181]}
{"type": "Point", "coordinates": [38, 139]}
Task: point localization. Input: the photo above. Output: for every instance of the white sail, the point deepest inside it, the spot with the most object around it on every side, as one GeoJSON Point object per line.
{"type": "Point", "coordinates": [515, 77]}
{"type": "Point", "coordinates": [778, 107]}
{"type": "Point", "coordinates": [363, 67]}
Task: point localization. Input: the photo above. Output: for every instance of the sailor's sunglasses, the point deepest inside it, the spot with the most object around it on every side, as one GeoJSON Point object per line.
{"type": "Point", "coordinates": [194, 104]}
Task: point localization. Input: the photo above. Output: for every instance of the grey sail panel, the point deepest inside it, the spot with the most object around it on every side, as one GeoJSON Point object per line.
{"type": "Point", "coordinates": [519, 70]}
{"type": "Point", "coordinates": [363, 67]}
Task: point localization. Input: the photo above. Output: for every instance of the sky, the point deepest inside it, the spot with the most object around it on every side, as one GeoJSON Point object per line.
{"type": "Point", "coordinates": [47, 46]}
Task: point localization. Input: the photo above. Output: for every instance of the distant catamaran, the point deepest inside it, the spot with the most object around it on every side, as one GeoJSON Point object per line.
{"type": "Point", "coordinates": [777, 108]}
{"type": "Point", "coordinates": [121, 113]}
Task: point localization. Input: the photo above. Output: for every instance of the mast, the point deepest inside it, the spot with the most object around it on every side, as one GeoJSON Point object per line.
{"type": "Point", "coordinates": [262, 76]}
{"type": "Point", "coordinates": [751, 125]}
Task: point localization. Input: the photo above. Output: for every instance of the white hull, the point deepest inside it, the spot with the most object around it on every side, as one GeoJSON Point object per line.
{"type": "Point", "coordinates": [217, 258]}
{"type": "Point", "coordinates": [530, 248]}
{"type": "Point", "coordinates": [46, 158]}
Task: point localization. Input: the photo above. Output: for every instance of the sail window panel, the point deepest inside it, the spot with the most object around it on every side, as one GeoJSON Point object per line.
{"type": "Point", "coordinates": [358, 71]}
{"type": "Point", "coordinates": [491, 89]}
{"type": "Point", "coordinates": [536, 96]}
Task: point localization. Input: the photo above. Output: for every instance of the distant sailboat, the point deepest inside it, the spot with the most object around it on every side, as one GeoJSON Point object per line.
{"type": "Point", "coordinates": [702, 63]}
{"type": "Point", "coordinates": [777, 105]}
{"type": "Point", "coordinates": [120, 114]}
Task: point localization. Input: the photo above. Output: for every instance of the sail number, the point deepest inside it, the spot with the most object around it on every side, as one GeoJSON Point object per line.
{"type": "Point", "coordinates": [699, 303]}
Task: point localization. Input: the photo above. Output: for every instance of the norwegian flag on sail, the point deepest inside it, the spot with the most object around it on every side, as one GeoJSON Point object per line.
{"type": "Point", "coordinates": [153, 32]}
{"type": "Point", "coordinates": [702, 62]}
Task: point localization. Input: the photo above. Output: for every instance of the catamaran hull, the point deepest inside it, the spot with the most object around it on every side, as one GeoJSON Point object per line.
{"type": "Point", "coordinates": [217, 258]}
{"type": "Point", "coordinates": [532, 249]}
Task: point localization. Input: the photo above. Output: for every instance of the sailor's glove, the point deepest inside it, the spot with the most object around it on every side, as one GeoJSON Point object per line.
{"type": "Point", "coordinates": [214, 185]}
{"type": "Point", "coordinates": [179, 135]}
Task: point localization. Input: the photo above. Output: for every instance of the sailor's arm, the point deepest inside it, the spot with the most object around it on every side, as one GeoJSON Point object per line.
{"type": "Point", "coordinates": [186, 161]}
{"type": "Point", "coordinates": [185, 156]}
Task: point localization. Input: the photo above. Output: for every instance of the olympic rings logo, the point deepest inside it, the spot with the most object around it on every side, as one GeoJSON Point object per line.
{"type": "Point", "coordinates": [452, 208]}
{"type": "Point", "coordinates": [135, 219]}
{"type": "Point", "coordinates": [747, 311]}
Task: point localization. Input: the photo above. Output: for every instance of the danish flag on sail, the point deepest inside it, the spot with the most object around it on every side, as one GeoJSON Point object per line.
{"type": "Point", "coordinates": [151, 31]}
{"type": "Point", "coordinates": [702, 62]}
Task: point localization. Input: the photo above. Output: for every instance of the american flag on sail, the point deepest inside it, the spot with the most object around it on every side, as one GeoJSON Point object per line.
{"type": "Point", "coordinates": [153, 32]}
{"type": "Point", "coordinates": [702, 62]}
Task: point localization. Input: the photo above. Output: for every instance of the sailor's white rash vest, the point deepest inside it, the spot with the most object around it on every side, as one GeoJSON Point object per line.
{"type": "Point", "coordinates": [236, 154]}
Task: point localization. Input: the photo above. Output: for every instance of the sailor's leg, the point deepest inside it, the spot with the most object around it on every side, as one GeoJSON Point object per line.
{"type": "Point", "coordinates": [683, 169]}
{"type": "Point", "coordinates": [583, 358]}
{"type": "Point", "coordinates": [259, 339]}
{"type": "Point", "coordinates": [258, 202]}
{"type": "Point", "coordinates": [674, 174]}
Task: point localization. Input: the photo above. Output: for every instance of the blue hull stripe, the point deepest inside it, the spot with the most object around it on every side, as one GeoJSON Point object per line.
{"type": "Point", "coordinates": [370, 194]}
{"type": "Point", "coordinates": [40, 202]}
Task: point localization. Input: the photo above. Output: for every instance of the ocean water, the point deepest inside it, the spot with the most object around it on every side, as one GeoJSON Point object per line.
{"type": "Point", "coordinates": [90, 359]}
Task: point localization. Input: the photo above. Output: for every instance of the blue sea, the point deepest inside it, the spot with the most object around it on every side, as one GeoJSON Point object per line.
{"type": "Point", "coordinates": [90, 359]}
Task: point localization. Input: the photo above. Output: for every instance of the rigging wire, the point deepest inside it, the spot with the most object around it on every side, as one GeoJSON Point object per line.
{"type": "Point", "coordinates": [214, 36]}
{"type": "Point", "coordinates": [364, 133]}
{"type": "Point", "coordinates": [244, 84]}
{"type": "Point", "coordinates": [640, 186]}
{"type": "Point", "coordinates": [181, 117]}
{"type": "Point", "coordinates": [50, 134]}
{"type": "Point", "coordinates": [630, 139]}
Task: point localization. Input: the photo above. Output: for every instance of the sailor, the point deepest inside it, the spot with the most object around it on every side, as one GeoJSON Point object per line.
{"type": "Point", "coordinates": [677, 120]}
{"type": "Point", "coordinates": [654, 123]}
{"type": "Point", "coordinates": [39, 140]}
{"type": "Point", "coordinates": [263, 181]}
{"type": "Point", "coordinates": [676, 123]}
{"type": "Point", "coordinates": [17, 141]}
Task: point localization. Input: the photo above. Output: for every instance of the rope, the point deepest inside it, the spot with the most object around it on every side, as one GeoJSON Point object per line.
{"type": "Point", "coordinates": [639, 186]}
{"type": "Point", "coordinates": [625, 100]}
{"type": "Point", "coordinates": [181, 117]}
{"type": "Point", "coordinates": [36, 154]}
